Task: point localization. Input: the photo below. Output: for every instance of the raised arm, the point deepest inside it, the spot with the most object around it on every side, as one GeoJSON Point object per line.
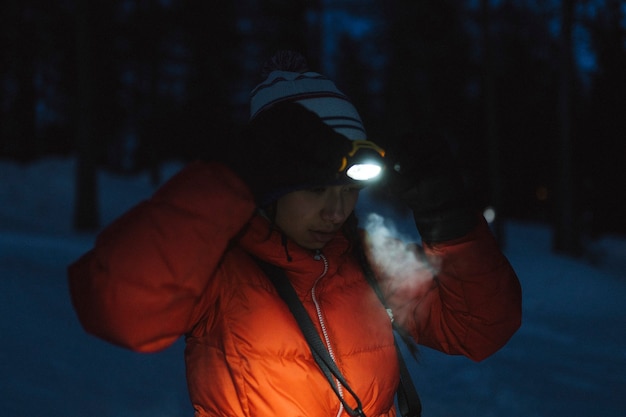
{"type": "Point", "coordinates": [459, 295]}
{"type": "Point", "coordinates": [148, 278]}
{"type": "Point", "coordinates": [475, 305]}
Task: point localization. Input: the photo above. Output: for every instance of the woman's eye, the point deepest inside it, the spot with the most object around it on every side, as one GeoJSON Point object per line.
{"type": "Point", "coordinates": [353, 188]}
{"type": "Point", "coordinates": [317, 190]}
{"type": "Point", "coordinates": [321, 189]}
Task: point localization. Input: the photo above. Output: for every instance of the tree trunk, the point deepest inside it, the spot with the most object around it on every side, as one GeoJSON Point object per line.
{"type": "Point", "coordinates": [491, 124]}
{"type": "Point", "coordinates": [86, 198]}
{"type": "Point", "coordinates": [566, 237]}
{"type": "Point", "coordinates": [18, 135]}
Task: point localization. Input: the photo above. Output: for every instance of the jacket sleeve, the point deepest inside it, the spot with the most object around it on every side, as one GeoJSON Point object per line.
{"type": "Point", "coordinates": [147, 280]}
{"type": "Point", "coordinates": [465, 298]}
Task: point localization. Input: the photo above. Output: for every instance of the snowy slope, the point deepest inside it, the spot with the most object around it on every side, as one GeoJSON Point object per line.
{"type": "Point", "coordinates": [568, 359]}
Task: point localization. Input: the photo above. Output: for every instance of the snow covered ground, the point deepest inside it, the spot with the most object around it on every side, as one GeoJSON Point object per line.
{"type": "Point", "coordinates": [568, 359]}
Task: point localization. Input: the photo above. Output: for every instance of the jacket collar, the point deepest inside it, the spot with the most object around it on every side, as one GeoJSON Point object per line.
{"type": "Point", "coordinates": [264, 241]}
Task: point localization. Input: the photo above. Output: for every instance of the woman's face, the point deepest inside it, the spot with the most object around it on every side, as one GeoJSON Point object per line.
{"type": "Point", "coordinates": [313, 216]}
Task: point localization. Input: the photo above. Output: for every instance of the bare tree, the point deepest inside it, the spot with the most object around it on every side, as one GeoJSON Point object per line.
{"type": "Point", "coordinates": [19, 48]}
{"type": "Point", "coordinates": [566, 237]}
{"type": "Point", "coordinates": [491, 123]}
{"type": "Point", "coordinates": [86, 200]}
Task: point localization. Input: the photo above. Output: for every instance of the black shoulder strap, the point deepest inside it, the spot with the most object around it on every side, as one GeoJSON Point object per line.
{"type": "Point", "coordinates": [319, 351]}
{"type": "Point", "coordinates": [409, 403]}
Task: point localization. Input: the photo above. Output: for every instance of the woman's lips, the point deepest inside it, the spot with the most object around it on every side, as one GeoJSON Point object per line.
{"type": "Point", "coordinates": [322, 236]}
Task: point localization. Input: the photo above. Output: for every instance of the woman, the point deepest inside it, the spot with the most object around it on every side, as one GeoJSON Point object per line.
{"type": "Point", "coordinates": [188, 262]}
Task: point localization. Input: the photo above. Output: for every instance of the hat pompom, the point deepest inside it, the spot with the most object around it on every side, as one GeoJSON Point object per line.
{"type": "Point", "coordinates": [285, 60]}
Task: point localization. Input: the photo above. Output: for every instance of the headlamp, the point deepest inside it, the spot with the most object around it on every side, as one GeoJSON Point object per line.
{"type": "Point", "coordinates": [364, 162]}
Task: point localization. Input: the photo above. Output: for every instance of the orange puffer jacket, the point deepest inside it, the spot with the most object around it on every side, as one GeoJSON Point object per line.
{"type": "Point", "coordinates": [180, 264]}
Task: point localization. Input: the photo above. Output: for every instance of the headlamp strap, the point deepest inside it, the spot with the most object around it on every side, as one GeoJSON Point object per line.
{"type": "Point", "coordinates": [358, 145]}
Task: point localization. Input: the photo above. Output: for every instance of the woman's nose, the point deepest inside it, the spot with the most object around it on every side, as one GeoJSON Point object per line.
{"type": "Point", "coordinates": [334, 208]}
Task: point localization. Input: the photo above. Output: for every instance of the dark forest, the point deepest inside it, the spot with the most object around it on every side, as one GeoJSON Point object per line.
{"type": "Point", "coordinates": [530, 93]}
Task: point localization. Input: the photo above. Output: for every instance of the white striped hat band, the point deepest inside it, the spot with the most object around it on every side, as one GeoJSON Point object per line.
{"type": "Point", "coordinates": [315, 92]}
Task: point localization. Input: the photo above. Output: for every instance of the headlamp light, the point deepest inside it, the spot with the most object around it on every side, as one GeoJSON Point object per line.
{"type": "Point", "coordinates": [364, 162]}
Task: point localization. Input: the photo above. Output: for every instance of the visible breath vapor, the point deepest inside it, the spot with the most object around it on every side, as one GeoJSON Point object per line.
{"type": "Point", "coordinates": [405, 272]}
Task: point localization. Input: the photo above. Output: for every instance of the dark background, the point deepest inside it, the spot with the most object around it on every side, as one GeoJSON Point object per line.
{"type": "Point", "coordinates": [530, 93]}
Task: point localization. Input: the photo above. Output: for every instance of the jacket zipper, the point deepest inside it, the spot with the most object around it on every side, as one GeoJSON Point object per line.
{"type": "Point", "coordinates": [320, 318]}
